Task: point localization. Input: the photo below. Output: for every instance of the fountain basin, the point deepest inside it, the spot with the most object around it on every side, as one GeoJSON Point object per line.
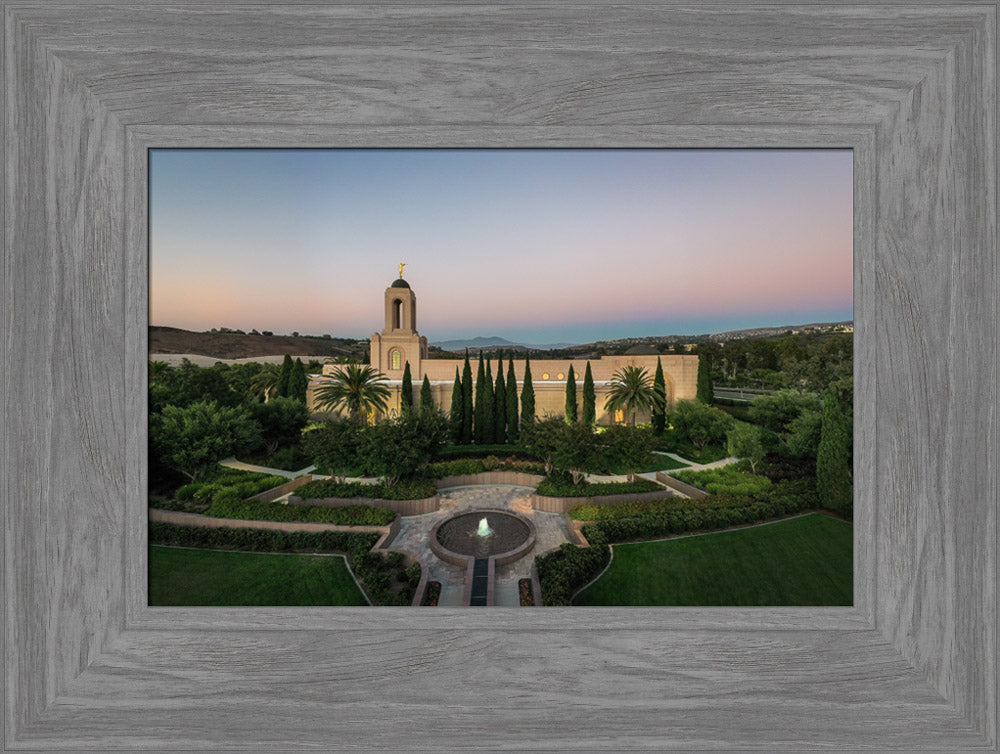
{"type": "Point", "coordinates": [457, 539]}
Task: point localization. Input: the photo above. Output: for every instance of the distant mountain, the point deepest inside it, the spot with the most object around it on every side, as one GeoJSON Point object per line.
{"type": "Point", "coordinates": [493, 343]}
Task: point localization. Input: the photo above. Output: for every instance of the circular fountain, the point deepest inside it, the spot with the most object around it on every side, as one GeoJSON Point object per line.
{"type": "Point", "coordinates": [482, 534]}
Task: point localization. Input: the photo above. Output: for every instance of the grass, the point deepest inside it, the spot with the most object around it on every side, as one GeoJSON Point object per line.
{"type": "Point", "coordinates": [799, 561]}
{"type": "Point", "coordinates": [180, 576]}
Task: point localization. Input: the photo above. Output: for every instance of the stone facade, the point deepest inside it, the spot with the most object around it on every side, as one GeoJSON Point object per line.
{"type": "Point", "coordinates": [399, 343]}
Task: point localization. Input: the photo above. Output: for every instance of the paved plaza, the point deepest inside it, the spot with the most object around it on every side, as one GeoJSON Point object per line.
{"type": "Point", "coordinates": [414, 537]}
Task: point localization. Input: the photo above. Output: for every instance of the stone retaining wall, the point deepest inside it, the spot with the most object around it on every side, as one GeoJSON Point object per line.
{"type": "Point", "coordinates": [402, 507]}
{"type": "Point", "coordinates": [677, 485]}
{"type": "Point", "coordinates": [548, 504]}
{"type": "Point", "coordinates": [269, 496]}
{"type": "Point", "coordinates": [516, 478]}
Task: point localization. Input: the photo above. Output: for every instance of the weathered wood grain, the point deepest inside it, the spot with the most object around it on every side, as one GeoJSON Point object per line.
{"type": "Point", "coordinates": [89, 87]}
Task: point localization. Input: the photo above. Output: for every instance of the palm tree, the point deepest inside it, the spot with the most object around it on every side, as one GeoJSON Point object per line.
{"type": "Point", "coordinates": [631, 389]}
{"type": "Point", "coordinates": [157, 369]}
{"type": "Point", "coordinates": [265, 382]}
{"type": "Point", "coordinates": [357, 389]}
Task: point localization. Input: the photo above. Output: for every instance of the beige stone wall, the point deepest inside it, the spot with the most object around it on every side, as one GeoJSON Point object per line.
{"type": "Point", "coordinates": [548, 378]}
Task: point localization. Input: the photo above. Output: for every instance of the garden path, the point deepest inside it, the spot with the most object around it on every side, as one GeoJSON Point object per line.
{"type": "Point", "coordinates": [232, 463]}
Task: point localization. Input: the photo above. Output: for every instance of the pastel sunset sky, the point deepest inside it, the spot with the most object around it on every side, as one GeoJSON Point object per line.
{"type": "Point", "coordinates": [536, 246]}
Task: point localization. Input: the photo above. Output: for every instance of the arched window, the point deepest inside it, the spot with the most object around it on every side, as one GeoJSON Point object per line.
{"type": "Point", "coordinates": [397, 315]}
{"type": "Point", "coordinates": [394, 360]}
{"type": "Point", "coordinates": [619, 416]}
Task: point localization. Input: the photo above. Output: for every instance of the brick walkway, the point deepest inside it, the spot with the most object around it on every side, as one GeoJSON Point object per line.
{"type": "Point", "coordinates": [551, 530]}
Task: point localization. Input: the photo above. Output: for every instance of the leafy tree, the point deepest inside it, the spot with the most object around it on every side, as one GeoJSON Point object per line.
{"type": "Point", "coordinates": [699, 424]}
{"type": "Point", "coordinates": [778, 410]}
{"type": "Point", "coordinates": [500, 405]}
{"type": "Point", "coordinates": [298, 383]}
{"type": "Point", "coordinates": [281, 421]}
{"type": "Point", "coordinates": [489, 409]}
{"type": "Point", "coordinates": [659, 414]}
{"type": "Point", "coordinates": [631, 390]}
{"type": "Point", "coordinates": [745, 441]}
{"type": "Point", "coordinates": [705, 392]}
{"type": "Point", "coordinates": [455, 415]}
{"type": "Point", "coordinates": [193, 439]}
{"type": "Point", "coordinates": [265, 383]}
{"type": "Point", "coordinates": [479, 424]}
{"type": "Point", "coordinates": [803, 434]}
{"type": "Point", "coordinates": [527, 396]}
{"type": "Point", "coordinates": [570, 411]}
{"type": "Point", "coordinates": [336, 446]}
{"type": "Point", "coordinates": [542, 438]}
{"type": "Point", "coordinates": [575, 449]}
{"type": "Point", "coordinates": [624, 445]}
{"type": "Point", "coordinates": [406, 392]}
{"type": "Point", "coordinates": [833, 472]}
{"type": "Point", "coordinates": [426, 397]}
{"type": "Point", "coordinates": [189, 383]}
{"type": "Point", "coordinates": [467, 411]}
{"type": "Point", "coordinates": [354, 388]}
{"type": "Point", "coordinates": [512, 428]}
{"type": "Point", "coordinates": [285, 376]}
{"type": "Point", "coordinates": [589, 412]}
{"type": "Point", "coordinates": [398, 448]}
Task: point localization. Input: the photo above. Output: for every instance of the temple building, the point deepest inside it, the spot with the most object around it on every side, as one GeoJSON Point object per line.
{"type": "Point", "coordinates": [399, 342]}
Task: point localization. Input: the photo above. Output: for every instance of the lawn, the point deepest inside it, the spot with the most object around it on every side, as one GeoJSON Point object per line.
{"type": "Point", "coordinates": [180, 576]}
{"type": "Point", "coordinates": [799, 561]}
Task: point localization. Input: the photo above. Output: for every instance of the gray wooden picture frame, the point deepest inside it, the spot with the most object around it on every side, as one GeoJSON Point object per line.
{"type": "Point", "coordinates": [89, 87]}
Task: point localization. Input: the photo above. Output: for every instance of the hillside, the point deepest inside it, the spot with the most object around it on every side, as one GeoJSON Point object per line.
{"type": "Point", "coordinates": [228, 345]}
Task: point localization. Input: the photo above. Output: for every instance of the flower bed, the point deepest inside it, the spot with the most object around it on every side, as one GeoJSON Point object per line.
{"type": "Point", "coordinates": [525, 593]}
{"type": "Point", "coordinates": [433, 594]}
{"type": "Point", "coordinates": [414, 489]}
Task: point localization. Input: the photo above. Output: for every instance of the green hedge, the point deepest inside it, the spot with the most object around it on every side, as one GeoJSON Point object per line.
{"type": "Point", "coordinates": [565, 571]}
{"type": "Point", "coordinates": [716, 512]}
{"type": "Point", "coordinates": [463, 466]}
{"type": "Point", "coordinates": [227, 483]}
{"type": "Point", "coordinates": [556, 485]}
{"type": "Point", "coordinates": [414, 489]}
{"type": "Point", "coordinates": [732, 479]}
{"type": "Point", "coordinates": [254, 510]}
{"type": "Point", "coordinates": [261, 540]}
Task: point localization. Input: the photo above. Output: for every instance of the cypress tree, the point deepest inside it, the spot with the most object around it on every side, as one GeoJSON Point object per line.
{"type": "Point", "coordinates": [705, 390]}
{"type": "Point", "coordinates": [527, 395]}
{"type": "Point", "coordinates": [833, 472]}
{"type": "Point", "coordinates": [500, 405]}
{"type": "Point", "coordinates": [406, 392]}
{"type": "Point", "coordinates": [489, 413]}
{"type": "Point", "coordinates": [571, 396]}
{"type": "Point", "coordinates": [511, 403]}
{"type": "Point", "coordinates": [426, 398]}
{"type": "Point", "coordinates": [298, 383]}
{"type": "Point", "coordinates": [659, 414]}
{"type": "Point", "coordinates": [466, 401]}
{"type": "Point", "coordinates": [455, 415]}
{"type": "Point", "coordinates": [284, 377]}
{"type": "Point", "coordinates": [589, 414]}
{"type": "Point", "coordinates": [479, 422]}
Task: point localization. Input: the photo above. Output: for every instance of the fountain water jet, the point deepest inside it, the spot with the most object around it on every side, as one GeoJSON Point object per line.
{"type": "Point", "coordinates": [484, 529]}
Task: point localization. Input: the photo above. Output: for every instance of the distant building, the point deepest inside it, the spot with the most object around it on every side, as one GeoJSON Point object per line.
{"type": "Point", "coordinates": [399, 342]}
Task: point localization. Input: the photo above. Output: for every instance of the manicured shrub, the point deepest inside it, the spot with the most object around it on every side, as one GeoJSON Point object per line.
{"type": "Point", "coordinates": [255, 510]}
{"type": "Point", "coordinates": [415, 489]}
{"type": "Point", "coordinates": [560, 484]}
{"type": "Point", "coordinates": [730, 479]}
{"type": "Point", "coordinates": [186, 493]}
{"type": "Point", "coordinates": [565, 571]}
{"type": "Point", "coordinates": [260, 539]}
